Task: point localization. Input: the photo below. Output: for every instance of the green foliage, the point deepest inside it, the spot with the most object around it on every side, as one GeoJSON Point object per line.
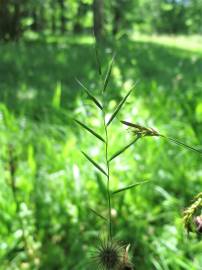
{"type": "Point", "coordinates": [55, 187]}
{"type": "Point", "coordinates": [36, 19]}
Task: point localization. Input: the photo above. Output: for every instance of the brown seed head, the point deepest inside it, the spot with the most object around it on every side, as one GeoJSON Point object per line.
{"type": "Point", "coordinates": [198, 223]}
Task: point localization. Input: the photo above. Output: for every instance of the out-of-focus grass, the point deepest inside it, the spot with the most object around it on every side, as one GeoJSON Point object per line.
{"type": "Point", "coordinates": [56, 186]}
{"type": "Point", "coordinates": [189, 43]}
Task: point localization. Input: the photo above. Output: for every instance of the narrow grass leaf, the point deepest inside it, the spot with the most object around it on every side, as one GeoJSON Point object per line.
{"type": "Point", "coordinates": [120, 105]}
{"type": "Point", "coordinates": [133, 125]}
{"type": "Point", "coordinates": [90, 130]}
{"type": "Point", "coordinates": [97, 103]}
{"type": "Point", "coordinates": [106, 81]}
{"type": "Point", "coordinates": [98, 60]}
{"type": "Point", "coordinates": [97, 214]}
{"type": "Point", "coordinates": [182, 144]}
{"type": "Point", "coordinates": [123, 149]}
{"type": "Point", "coordinates": [129, 187]}
{"type": "Point", "coordinates": [94, 163]}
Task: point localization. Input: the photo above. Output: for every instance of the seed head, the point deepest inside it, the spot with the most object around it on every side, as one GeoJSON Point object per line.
{"type": "Point", "coordinates": [192, 219]}
{"type": "Point", "coordinates": [108, 255]}
{"type": "Point", "coordinates": [126, 264]}
{"type": "Point", "coordinates": [198, 223]}
{"type": "Point", "coordinates": [140, 130]}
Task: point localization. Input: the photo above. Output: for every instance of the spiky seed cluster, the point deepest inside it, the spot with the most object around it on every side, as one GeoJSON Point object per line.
{"type": "Point", "coordinates": [108, 255]}
{"type": "Point", "coordinates": [193, 221]}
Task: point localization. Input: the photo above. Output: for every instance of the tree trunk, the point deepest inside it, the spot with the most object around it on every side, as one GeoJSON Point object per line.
{"type": "Point", "coordinates": [34, 26]}
{"type": "Point", "coordinates": [53, 19]}
{"type": "Point", "coordinates": [77, 24]}
{"type": "Point", "coordinates": [15, 29]}
{"type": "Point", "coordinates": [117, 17]}
{"type": "Point", "coordinates": [98, 16]}
{"type": "Point", "coordinates": [41, 18]}
{"type": "Point", "coordinates": [62, 16]}
{"type": "Point", "coordinates": [4, 20]}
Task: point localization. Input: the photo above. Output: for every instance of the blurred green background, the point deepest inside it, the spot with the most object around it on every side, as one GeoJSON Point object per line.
{"type": "Point", "coordinates": [47, 186]}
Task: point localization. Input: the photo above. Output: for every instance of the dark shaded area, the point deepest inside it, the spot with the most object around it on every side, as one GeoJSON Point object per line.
{"type": "Point", "coordinates": [30, 72]}
{"type": "Point", "coordinates": [32, 19]}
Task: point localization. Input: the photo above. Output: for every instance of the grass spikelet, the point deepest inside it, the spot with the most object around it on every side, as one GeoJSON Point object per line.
{"type": "Point", "coordinates": [191, 217]}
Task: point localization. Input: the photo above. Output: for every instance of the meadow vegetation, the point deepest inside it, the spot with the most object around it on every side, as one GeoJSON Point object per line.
{"type": "Point", "coordinates": [47, 187]}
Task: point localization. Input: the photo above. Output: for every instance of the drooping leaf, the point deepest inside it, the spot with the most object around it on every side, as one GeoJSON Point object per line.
{"type": "Point", "coordinates": [181, 144]}
{"type": "Point", "coordinates": [123, 149]}
{"type": "Point", "coordinates": [120, 105]}
{"type": "Point", "coordinates": [106, 81]}
{"type": "Point", "coordinates": [94, 163]}
{"type": "Point", "coordinates": [97, 103]}
{"type": "Point", "coordinates": [90, 130]}
{"type": "Point", "coordinates": [129, 187]}
{"type": "Point", "coordinates": [97, 214]}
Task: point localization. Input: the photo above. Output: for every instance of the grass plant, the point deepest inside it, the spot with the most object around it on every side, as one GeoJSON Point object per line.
{"type": "Point", "coordinates": [109, 256]}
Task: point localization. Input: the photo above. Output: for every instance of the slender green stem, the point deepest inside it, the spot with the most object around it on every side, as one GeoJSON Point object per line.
{"type": "Point", "coordinates": [108, 178]}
